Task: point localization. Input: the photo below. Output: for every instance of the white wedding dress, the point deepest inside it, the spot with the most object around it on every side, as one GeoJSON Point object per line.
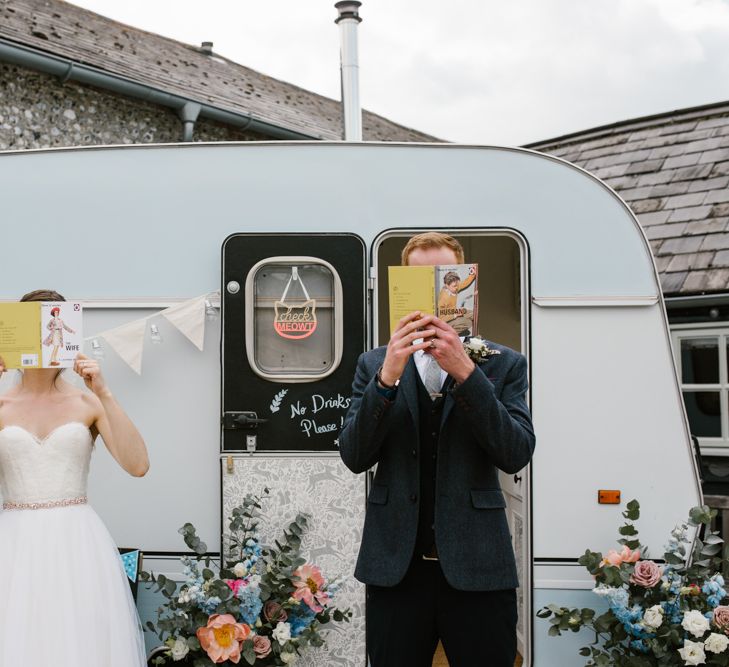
{"type": "Point", "coordinates": [64, 596]}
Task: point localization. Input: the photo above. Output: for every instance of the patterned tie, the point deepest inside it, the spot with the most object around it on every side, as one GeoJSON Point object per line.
{"type": "Point", "coordinates": [431, 377]}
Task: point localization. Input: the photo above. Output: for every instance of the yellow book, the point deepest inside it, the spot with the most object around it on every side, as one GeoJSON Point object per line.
{"type": "Point", "coordinates": [411, 288]}
{"type": "Point", "coordinates": [40, 334]}
{"type": "Point", "coordinates": [20, 341]}
{"type": "Point", "coordinates": [449, 291]}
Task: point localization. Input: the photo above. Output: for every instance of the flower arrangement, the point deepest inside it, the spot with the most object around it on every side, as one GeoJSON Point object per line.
{"type": "Point", "coordinates": [264, 606]}
{"type": "Point", "coordinates": [477, 349]}
{"type": "Point", "coordinates": [666, 613]}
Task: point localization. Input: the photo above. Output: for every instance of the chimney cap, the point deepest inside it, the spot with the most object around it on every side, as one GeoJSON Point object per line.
{"type": "Point", "coordinates": [207, 48]}
{"type": "Point", "coordinates": [348, 9]}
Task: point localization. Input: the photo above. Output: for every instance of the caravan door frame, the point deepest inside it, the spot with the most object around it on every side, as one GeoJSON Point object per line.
{"type": "Point", "coordinates": [526, 341]}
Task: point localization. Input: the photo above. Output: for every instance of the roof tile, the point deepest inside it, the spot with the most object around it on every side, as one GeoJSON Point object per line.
{"type": "Point", "coordinates": [709, 226]}
{"type": "Point", "coordinates": [682, 161]}
{"type": "Point", "coordinates": [721, 259]}
{"type": "Point", "coordinates": [715, 241]}
{"type": "Point", "coordinates": [717, 155]}
{"type": "Point", "coordinates": [679, 245]}
{"type": "Point", "coordinates": [705, 281]}
{"type": "Point", "coordinates": [716, 196]}
{"type": "Point", "coordinates": [689, 213]}
{"type": "Point", "coordinates": [672, 282]}
{"type": "Point", "coordinates": [653, 218]}
{"type": "Point", "coordinates": [690, 261]}
{"type": "Point", "coordinates": [665, 231]}
{"type": "Point", "coordinates": [717, 183]}
{"type": "Point", "coordinates": [691, 199]}
{"type": "Point", "coordinates": [648, 165]}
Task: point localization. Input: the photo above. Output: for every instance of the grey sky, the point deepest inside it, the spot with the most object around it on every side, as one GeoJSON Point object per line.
{"type": "Point", "coordinates": [475, 72]}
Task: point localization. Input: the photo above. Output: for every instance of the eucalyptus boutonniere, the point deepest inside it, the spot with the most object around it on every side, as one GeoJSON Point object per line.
{"type": "Point", "coordinates": [477, 349]}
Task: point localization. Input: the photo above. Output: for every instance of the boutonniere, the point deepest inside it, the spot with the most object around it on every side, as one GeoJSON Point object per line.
{"type": "Point", "coordinates": [477, 349]}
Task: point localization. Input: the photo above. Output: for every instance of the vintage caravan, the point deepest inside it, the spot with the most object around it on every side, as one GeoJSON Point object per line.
{"type": "Point", "coordinates": [567, 278]}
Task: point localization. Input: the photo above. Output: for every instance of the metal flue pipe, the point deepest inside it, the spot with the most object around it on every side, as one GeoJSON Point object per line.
{"type": "Point", "coordinates": [348, 21]}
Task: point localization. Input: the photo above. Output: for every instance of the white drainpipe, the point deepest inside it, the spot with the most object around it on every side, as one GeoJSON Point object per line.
{"type": "Point", "coordinates": [351, 107]}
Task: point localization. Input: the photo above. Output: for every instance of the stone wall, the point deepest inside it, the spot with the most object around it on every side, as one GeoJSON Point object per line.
{"type": "Point", "coordinates": [38, 111]}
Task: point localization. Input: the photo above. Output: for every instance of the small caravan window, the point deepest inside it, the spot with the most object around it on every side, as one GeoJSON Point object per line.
{"type": "Point", "coordinates": [702, 359]}
{"type": "Point", "coordinates": [293, 319]}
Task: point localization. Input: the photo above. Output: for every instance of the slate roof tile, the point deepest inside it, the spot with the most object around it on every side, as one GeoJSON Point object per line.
{"type": "Point", "coordinates": [673, 282]}
{"type": "Point", "coordinates": [688, 261]}
{"type": "Point", "coordinates": [709, 226]}
{"type": "Point", "coordinates": [714, 241]}
{"type": "Point", "coordinates": [709, 280]}
{"type": "Point", "coordinates": [665, 231]}
{"type": "Point", "coordinates": [689, 213]}
{"type": "Point", "coordinates": [721, 259]}
{"type": "Point", "coordinates": [653, 218]}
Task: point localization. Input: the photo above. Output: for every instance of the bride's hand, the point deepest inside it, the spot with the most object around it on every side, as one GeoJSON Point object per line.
{"type": "Point", "coordinates": [90, 371]}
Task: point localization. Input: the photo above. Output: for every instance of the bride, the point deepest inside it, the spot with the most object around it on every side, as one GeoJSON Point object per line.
{"type": "Point", "coordinates": [64, 597]}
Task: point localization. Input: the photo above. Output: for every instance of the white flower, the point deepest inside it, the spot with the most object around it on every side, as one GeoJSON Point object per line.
{"type": "Point", "coordinates": [179, 649]}
{"type": "Point", "coordinates": [602, 590]}
{"type": "Point", "coordinates": [653, 616]}
{"type": "Point", "coordinates": [288, 658]}
{"type": "Point", "coordinates": [692, 653]}
{"type": "Point", "coordinates": [716, 643]}
{"type": "Point", "coordinates": [282, 632]}
{"type": "Point", "coordinates": [240, 570]}
{"type": "Point", "coordinates": [695, 623]}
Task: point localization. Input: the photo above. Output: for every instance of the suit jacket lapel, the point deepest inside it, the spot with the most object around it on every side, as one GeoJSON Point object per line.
{"type": "Point", "coordinates": [409, 388]}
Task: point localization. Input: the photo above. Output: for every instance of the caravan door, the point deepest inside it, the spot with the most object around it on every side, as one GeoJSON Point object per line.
{"type": "Point", "coordinates": [293, 326]}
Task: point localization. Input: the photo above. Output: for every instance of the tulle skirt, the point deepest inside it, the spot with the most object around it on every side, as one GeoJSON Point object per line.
{"type": "Point", "coordinates": [64, 596]}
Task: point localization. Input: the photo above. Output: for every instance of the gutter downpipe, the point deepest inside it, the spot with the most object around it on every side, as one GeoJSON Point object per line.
{"type": "Point", "coordinates": [69, 70]}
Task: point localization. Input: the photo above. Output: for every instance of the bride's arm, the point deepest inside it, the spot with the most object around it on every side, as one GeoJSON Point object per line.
{"type": "Point", "coordinates": [119, 433]}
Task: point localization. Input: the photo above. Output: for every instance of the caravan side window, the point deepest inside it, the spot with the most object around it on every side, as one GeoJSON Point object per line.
{"type": "Point", "coordinates": [702, 356]}
{"type": "Point", "coordinates": [293, 319]}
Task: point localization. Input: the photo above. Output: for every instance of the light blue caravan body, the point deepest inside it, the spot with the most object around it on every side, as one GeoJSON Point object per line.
{"type": "Point", "coordinates": [566, 276]}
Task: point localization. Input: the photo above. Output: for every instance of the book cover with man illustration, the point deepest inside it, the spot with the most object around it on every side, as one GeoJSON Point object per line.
{"type": "Point", "coordinates": [448, 291]}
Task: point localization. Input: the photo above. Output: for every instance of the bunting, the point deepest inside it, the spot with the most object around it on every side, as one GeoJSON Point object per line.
{"type": "Point", "coordinates": [127, 340]}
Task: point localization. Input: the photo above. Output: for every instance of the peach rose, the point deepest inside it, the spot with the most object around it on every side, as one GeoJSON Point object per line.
{"type": "Point", "coordinates": [222, 638]}
{"type": "Point", "coordinates": [646, 574]}
{"type": "Point", "coordinates": [625, 556]}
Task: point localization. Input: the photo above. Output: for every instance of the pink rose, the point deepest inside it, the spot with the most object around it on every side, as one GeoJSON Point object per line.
{"type": "Point", "coordinates": [261, 646]}
{"type": "Point", "coordinates": [646, 574]}
{"type": "Point", "coordinates": [274, 612]}
{"type": "Point", "coordinates": [721, 618]}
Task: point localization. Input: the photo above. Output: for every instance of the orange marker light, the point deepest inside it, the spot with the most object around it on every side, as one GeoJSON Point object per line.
{"type": "Point", "coordinates": [608, 497]}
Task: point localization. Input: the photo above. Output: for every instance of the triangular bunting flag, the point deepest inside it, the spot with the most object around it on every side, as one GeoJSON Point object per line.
{"type": "Point", "coordinates": [130, 560]}
{"type": "Point", "coordinates": [128, 342]}
{"type": "Point", "coordinates": [189, 318]}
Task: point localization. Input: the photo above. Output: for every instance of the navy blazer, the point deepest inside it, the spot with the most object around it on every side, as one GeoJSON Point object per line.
{"type": "Point", "coordinates": [486, 426]}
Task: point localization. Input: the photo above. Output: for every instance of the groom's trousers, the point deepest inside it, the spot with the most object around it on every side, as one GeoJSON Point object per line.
{"type": "Point", "coordinates": [405, 622]}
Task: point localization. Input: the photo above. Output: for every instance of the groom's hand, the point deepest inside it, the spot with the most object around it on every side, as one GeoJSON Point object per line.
{"type": "Point", "coordinates": [447, 350]}
{"type": "Point", "coordinates": [2, 367]}
{"type": "Point", "coordinates": [400, 348]}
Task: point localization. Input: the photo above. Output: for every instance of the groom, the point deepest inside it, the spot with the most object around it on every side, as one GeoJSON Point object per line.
{"type": "Point", "coordinates": [436, 553]}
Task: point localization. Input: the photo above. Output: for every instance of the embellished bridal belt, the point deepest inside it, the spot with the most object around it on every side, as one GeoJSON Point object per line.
{"type": "Point", "coordinates": [81, 500]}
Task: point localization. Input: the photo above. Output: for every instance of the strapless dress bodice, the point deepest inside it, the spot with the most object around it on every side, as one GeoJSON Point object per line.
{"type": "Point", "coordinates": [47, 470]}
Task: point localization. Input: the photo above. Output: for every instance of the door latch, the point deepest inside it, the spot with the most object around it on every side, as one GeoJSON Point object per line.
{"type": "Point", "coordinates": [233, 421]}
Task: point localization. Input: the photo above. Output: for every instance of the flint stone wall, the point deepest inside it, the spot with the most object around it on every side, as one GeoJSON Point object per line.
{"type": "Point", "coordinates": [38, 111]}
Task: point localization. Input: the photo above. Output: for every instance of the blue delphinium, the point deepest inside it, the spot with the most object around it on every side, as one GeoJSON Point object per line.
{"type": "Point", "coordinates": [250, 604]}
{"type": "Point", "coordinates": [714, 590]}
{"type": "Point", "coordinates": [300, 618]}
